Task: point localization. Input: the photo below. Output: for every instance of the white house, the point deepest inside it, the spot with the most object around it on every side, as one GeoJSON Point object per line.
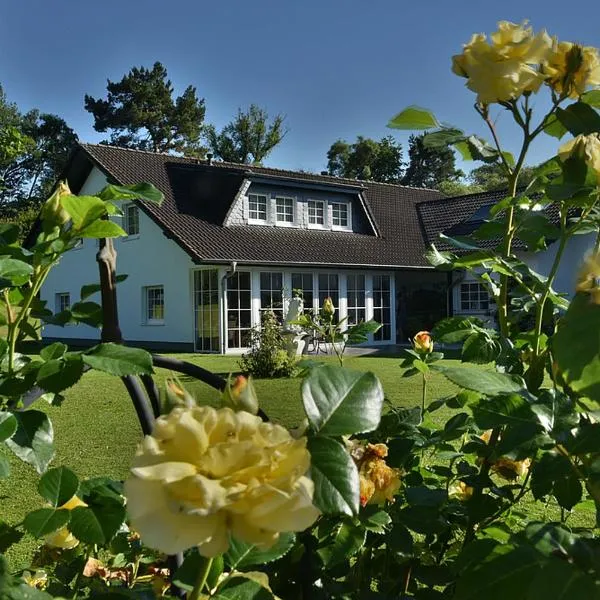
{"type": "Point", "coordinates": [230, 241]}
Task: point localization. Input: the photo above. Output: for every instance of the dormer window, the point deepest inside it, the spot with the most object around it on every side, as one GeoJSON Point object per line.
{"type": "Point", "coordinates": [316, 213]}
{"type": "Point", "coordinates": [284, 210]}
{"type": "Point", "coordinates": [132, 219]}
{"type": "Point", "coordinates": [339, 215]}
{"type": "Point", "coordinates": [257, 207]}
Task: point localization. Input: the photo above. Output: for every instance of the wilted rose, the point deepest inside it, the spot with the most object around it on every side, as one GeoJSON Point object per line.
{"type": "Point", "coordinates": [571, 69]}
{"type": "Point", "coordinates": [378, 481]}
{"type": "Point", "coordinates": [63, 538]}
{"type": "Point", "coordinates": [423, 342]}
{"type": "Point", "coordinates": [507, 67]}
{"type": "Point", "coordinates": [506, 467]}
{"type": "Point", "coordinates": [204, 474]}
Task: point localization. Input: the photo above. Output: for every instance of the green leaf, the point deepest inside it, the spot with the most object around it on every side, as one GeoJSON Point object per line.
{"type": "Point", "coordinates": [375, 519]}
{"type": "Point", "coordinates": [32, 441]}
{"type": "Point", "coordinates": [568, 491]}
{"type": "Point", "coordinates": [584, 439]}
{"type": "Point", "coordinates": [14, 272]}
{"type": "Point", "coordinates": [414, 117]}
{"type": "Point", "coordinates": [83, 210]}
{"type": "Point", "coordinates": [241, 587]}
{"type": "Point", "coordinates": [576, 346]}
{"type": "Point", "coordinates": [9, 234]}
{"type": "Point", "coordinates": [357, 334]}
{"type": "Point", "coordinates": [443, 138]}
{"type": "Point", "coordinates": [58, 486]}
{"type": "Point", "coordinates": [592, 98]}
{"type": "Point", "coordinates": [579, 118]}
{"type": "Point", "coordinates": [119, 360]}
{"type": "Point", "coordinates": [553, 127]}
{"type": "Point", "coordinates": [334, 475]}
{"type": "Point", "coordinates": [560, 580]}
{"type": "Point", "coordinates": [546, 471]}
{"type": "Point", "coordinates": [23, 591]}
{"type": "Point", "coordinates": [93, 288]}
{"type": "Point", "coordinates": [551, 539]}
{"type": "Point", "coordinates": [57, 375]}
{"type": "Point", "coordinates": [343, 543]}
{"type": "Point", "coordinates": [99, 521]}
{"type": "Point", "coordinates": [44, 521]}
{"type": "Point", "coordinates": [480, 348]}
{"type": "Point", "coordinates": [8, 425]}
{"type": "Point", "coordinates": [102, 229]}
{"type": "Point", "coordinates": [502, 410]}
{"type": "Point", "coordinates": [454, 329]}
{"type": "Point", "coordinates": [504, 574]}
{"type": "Point", "coordinates": [340, 401]}
{"type": "Point", "coordinates": [53, 351]}
{"type": "Point", "coordinates": [137, 191]}
{"type": "Point", "coordinates": [424, 496]}
{"type": "Point", "coordinates": [89, 313]}
{"type": "Point", "coordinates": [241, 555]}
{"type": "Point", "coordinates": [479, 380]}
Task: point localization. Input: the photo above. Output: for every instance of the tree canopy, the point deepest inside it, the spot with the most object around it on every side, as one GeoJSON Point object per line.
{"type": "Point", "coordinates": [249, 138]}
{"type": "Point", "coordinates": [141, 112]}
{"type": "Point", "coordinates": [383, 161]}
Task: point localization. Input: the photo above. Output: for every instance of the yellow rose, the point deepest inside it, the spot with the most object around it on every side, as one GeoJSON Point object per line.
{"type": "Point", "coordinates": [459, 490]}
{"type": "Point", "coordinates": [511, 469]}
{"type": "Point", "coordinates": [571, 69]}
{"type": "Point", "coordinates": [328, 308]}
{"type": "Point", "coordinates": [588, 279]}
{"type": "Point", "coordinates": [585, 147]}
{"type": "Point", "coordinates": [204, 474]}
{"type": "Point", "coordinates": [52, 210]}
{"type": "Point", "coordinates": [378, 481]}
{"type": "Point", "coordinates": [63, 538]}
{"type": "Point", "coordinates": [38, 580]}
{"type": "Point", "coordinates": [423, 343]}
{"type": "Point", "coordinates": [241, 395]}
{"type": "Point", "coordinates": [507, 67]}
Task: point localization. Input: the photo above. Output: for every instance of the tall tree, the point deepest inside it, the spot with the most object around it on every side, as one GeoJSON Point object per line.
{"type": "Point", "coordinates": [249, 138]}
{"type": "Point", "coordinates": [140, 112]}
{"type": "Point", "coordinates": [366, 159]}
{"type": "Point", "coordinates": [429, 166]}
{"type": "Point", "coordinates": [34, 149]}
{"type": "Point", "coordinates": [493, 177]}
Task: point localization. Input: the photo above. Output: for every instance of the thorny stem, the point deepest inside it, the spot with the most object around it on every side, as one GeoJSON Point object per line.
{"type": "Point", "coordinates": [423, 396]}
{"type": "Point", "coordinates": [484, 472]}
{"type": "Point", "coordinates": [13, 325]}
{"type": "Point", "coordinates": [201, 580]}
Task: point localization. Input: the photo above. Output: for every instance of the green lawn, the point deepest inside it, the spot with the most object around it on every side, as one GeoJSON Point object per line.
{"type": "Point", "coordinates": [96, 430]}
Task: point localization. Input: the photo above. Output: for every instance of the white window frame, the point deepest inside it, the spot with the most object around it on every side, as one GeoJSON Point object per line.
{"type": "Point", "coordinates": [126, 220]}
{"type": "Point", "coordinates": [256, 220]}
{"type": "Point", "coordinates": [324, 224]}
{"type": "Point", "coordinates": [286, 199]}
{"type": "Point", "coordinates": [58, 301]}
{"type": "Point", "coordinates": [346, 205]}
{"type": "Point", "coordinates": [147, 320]}
{"type": "Point", "coordinates": [481, 289]}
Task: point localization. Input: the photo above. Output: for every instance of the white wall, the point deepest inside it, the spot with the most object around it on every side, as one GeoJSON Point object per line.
{"type": "Point", "coordinates": [572, 259]}
{"type": "Point", "coordinates": [148, 259]}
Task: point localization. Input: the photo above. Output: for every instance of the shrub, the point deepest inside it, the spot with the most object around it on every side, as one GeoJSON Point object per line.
{"type": "Point", "coordinates": [268, 356]}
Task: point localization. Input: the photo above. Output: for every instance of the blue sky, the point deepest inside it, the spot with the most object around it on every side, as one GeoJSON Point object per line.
{"type": "Point", "coordinates": [335, 68]}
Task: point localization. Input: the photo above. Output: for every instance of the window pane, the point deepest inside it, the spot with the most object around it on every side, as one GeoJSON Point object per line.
{"type": "Point", "coordinates": [257, 205]}
{"type": "Point", "coordinates": [316, 212]}
{"type": "Point", "coordinates": [339, 214]}
{"type": "Point", "coordinates": [155, 307]}
{"type": "Point", "coordinates": [285, 209]}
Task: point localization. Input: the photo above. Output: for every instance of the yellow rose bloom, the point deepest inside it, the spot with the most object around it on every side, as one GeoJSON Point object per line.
{"type": "Point", "coordinates": [571, 69]}
{"type": "Point", "coordinates": [459, 490]}
{"type": "Point", "coordinates": [511, 469]}
{"type": "Point", "coordinates": [585, 147]}
{"type": "Point", "coordinates": [507, 67]}
{"type": "Point", "coordinates": [63, 538]}
{"type": "Point", "coordinates": [204, 474]}
{"type": "Point", "coordinates": [588, 279]}
{"type": "Point", "coordinates": [423, 343]}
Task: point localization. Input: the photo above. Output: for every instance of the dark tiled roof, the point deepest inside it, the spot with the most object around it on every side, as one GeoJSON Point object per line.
{"type": "Point", "coordinates": [451, 216]}
{"type": "Point", "coordinates": [197, 226]}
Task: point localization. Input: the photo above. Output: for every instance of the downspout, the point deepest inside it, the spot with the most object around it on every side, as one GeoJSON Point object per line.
{"type": "Point", "coordinates": [228, 275]}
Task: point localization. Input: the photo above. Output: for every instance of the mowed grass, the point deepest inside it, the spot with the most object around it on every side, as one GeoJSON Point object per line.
{"type": "Point", "coordinates": [96, 429]}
